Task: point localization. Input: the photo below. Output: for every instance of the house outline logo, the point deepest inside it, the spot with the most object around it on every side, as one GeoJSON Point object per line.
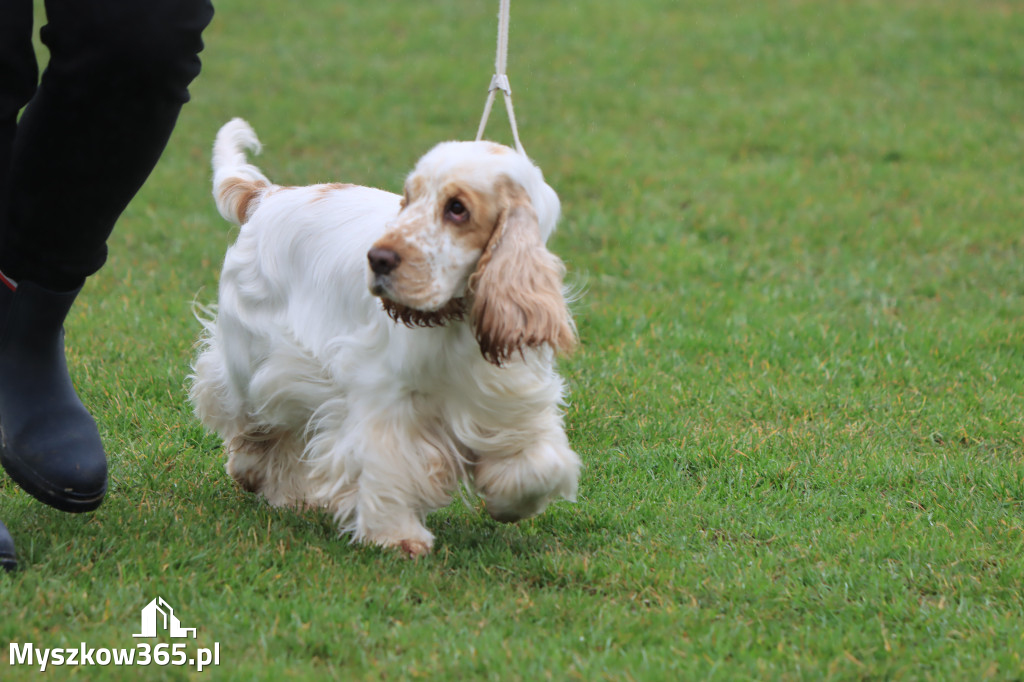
{"type": "Point", "coordinates": [159, 613]}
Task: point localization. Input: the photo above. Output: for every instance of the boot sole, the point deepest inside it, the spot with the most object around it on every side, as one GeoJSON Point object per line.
{"type": "Point", "coordinates": [58, 498]}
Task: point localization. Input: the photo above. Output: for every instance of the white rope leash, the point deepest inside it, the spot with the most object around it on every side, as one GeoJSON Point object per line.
{"type": "Point", "coordinates": [500, 80]}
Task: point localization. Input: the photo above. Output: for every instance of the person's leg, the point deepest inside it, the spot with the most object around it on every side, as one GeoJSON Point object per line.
{"type": "Point", "coordinates": [118, 75]}
{"type": "Point", "coordinates": [18, 77]}
{"type": "Point", "coordinates": [106, 105]}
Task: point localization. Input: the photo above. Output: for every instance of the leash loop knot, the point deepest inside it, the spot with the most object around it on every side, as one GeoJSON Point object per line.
{"type": "Point", "coordinates": [500, 80]}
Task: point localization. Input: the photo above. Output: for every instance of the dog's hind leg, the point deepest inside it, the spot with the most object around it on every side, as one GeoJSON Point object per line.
{"type": "Point", "coordinates": [270, 463]}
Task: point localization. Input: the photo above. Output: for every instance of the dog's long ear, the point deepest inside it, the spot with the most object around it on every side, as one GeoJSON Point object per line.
{"type": "Point", "coordinates": [517, 287]}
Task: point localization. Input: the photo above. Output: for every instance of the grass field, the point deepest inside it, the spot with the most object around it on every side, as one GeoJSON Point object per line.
{"type": "Point", "coordinates": [798, 226]}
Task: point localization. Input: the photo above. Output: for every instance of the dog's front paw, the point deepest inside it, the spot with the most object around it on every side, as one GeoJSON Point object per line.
{"type": "Point", "coordinates": [522, 486]}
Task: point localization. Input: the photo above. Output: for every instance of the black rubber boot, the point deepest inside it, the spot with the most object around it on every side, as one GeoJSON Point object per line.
{"type": "Point", "coordinates": [8, 559]}
{"type": "Point", "coordinates": [50, 444]}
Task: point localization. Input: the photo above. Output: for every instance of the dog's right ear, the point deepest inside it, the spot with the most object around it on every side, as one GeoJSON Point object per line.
{"type": "Point", "coordinates": [517, 294]}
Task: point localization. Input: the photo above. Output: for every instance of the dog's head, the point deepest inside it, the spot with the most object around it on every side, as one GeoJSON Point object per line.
{"type": "Point", "coordinates": [469, 238]}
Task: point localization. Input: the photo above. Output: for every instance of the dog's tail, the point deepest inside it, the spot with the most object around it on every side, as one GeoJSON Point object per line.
{"type": "Point", "coordinates": [237, 184]}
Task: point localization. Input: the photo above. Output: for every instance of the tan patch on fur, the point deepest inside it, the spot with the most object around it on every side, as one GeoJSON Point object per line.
{"type": "Point", "coordinates": [325, 190]}
{"type": "Point", "coordinates": [414, 187]}
{"type": "Point", "coordinates": [474, 233]}
{"type": "Point", "coordinates": [412, 273]}
{"type": "Point", "coordinates": [393, 241]}
{"type": "Point", "coordinates": [495, 148]}
{"type": "Point", "coordinates": [242, 196]}
{"type": "Point", "coordinates": [483, 215]}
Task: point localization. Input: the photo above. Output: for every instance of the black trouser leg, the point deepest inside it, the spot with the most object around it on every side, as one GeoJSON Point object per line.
{"type": "Point", "coordinates": [103, 112]}
{"type": "Point", "coordinates": [18, 78]}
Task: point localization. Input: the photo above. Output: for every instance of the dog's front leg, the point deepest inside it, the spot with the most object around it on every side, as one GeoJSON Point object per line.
{"type": "Point", "coordinates": [396, 466]}
{"type": "Point", "coordinates": [520, 485]}
{"type": "Point", "coordinates": [386, 517]}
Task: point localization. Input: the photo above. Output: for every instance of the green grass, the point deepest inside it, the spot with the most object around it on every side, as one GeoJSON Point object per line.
{"type": "Point", "coordinates": [798, 397]}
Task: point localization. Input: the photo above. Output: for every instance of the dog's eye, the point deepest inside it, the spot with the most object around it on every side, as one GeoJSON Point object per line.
{"type": "Point", "coordinates": [456, 211]}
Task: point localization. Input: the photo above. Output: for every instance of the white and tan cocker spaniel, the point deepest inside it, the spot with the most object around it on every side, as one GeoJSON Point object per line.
{"type": "Point", "coordinates": [370, 351]}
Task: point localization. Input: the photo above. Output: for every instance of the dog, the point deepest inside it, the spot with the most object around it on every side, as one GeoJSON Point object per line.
{"type": "Point", "coordinates": [369, 353]}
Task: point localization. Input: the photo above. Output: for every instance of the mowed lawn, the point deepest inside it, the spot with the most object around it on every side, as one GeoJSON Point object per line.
{"type": "Point", "coordinates": [797, 230]}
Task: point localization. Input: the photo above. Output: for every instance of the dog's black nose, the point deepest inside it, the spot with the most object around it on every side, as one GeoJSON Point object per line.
{"type": "Point", "coordinates": [383, 261]}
